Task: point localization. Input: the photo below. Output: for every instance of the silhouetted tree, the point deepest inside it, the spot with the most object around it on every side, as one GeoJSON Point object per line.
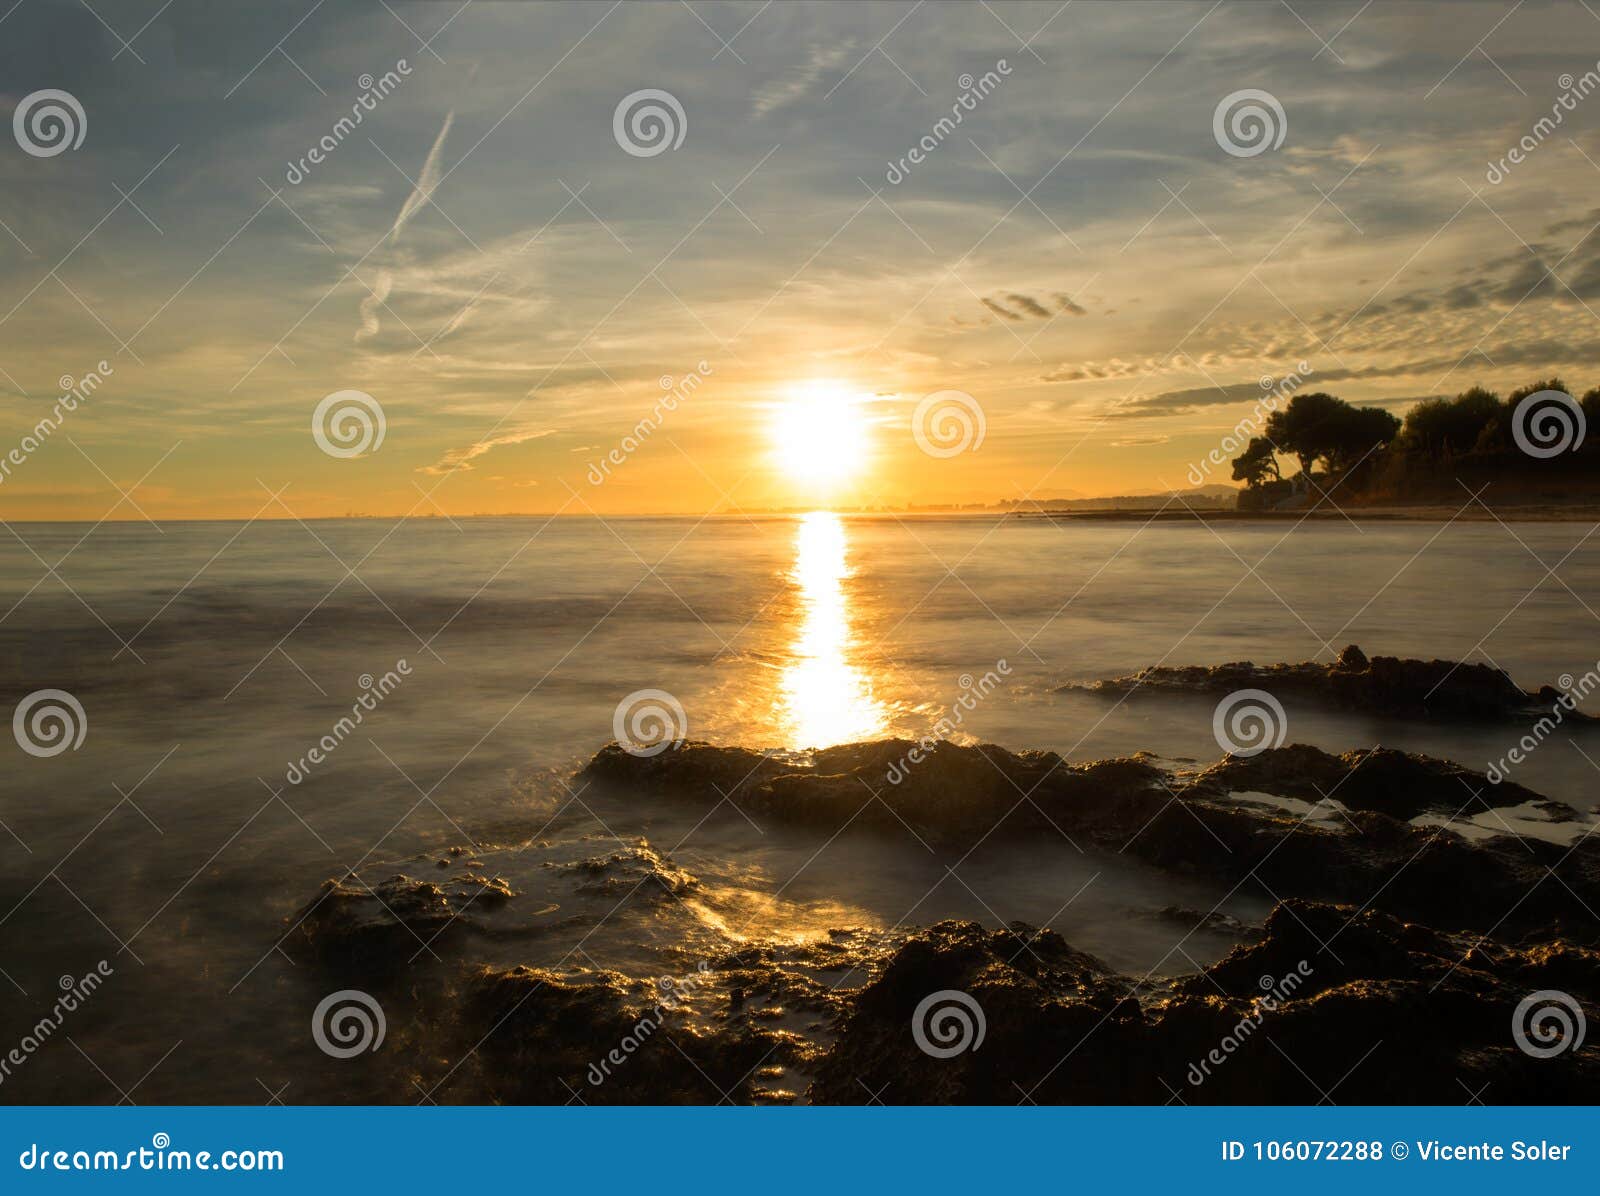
{"type": "Point", "coordinates": [1357, 433]}
{"type": "Point", "coordinates": [1496, 435]}
{"type": "Point", "coordinates": [1532, 388]}
{"type": "Point", "coordinates": [1320, 426]}
{"type": "Point", "coordinates": [1258, 463]}
{"type": "Point", "coordinates": [1444, 428]}
{"type": "Point", "coordinates": [1302, 428]}
{"type": "Point", "coordinates": [1591, 410]}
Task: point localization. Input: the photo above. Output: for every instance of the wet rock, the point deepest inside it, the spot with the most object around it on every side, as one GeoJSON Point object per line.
{"type": "Point", "coordinates": [380, 926]}
{"type": "Point", "coordinates": [1381, 685]}
{"type": "Point", "coordinates": [948, 792]}
{"type": "Point", "coordinates": [637, 869]}
{"type": "Point", "coordinates": [599, 1038]}
{"type": "Point", "coordinates": [1188, 825]}
{"type": "Point", "coordinates": [1331, 1002]}
{"type": "Point", "coordinates": [1400, 784]}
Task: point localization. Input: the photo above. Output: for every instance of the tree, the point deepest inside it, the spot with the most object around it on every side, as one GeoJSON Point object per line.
{"type": "Point", "coordinates": [1497, 436]}
{"type": "Point", "coordinates": [1445, 428]}
{"type": "Point", "coordinates": [1591, 411]}
{"type": "Point", "coordinates": [1302, 428]}
{"type": "Point", "coordinates": [1258, 462]}
{"type": "Point", "coordinates": [1534, 388]}
{"type": "Point", "coordinates": [1356, 433]}
{"type": "Point", "coordinates": [1320, 426]}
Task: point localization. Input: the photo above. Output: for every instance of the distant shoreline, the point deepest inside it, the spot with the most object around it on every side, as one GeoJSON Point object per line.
{"type": "Point", "coordinates": [1432, 514]}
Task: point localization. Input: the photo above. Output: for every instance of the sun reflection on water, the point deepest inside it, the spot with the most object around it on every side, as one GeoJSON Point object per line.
{"type": "Point", "coordinates": [825, 698]}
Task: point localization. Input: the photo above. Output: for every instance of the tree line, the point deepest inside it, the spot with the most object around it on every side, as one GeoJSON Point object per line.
{"type": "Point", "coordinates": [1369, 448]}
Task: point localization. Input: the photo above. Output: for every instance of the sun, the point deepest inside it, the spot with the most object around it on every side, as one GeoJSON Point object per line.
{"type": "Point", "coordinates": [820, 433]}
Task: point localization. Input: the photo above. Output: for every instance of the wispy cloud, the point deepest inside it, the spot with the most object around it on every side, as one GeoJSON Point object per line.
{"type": "Point", "coordinates": [788, 88]}
{"type": "Point", "coordinates": [459, 459]}
{"type": "Point", "coordinates": [375, 298]}
{"type": "Point", "coordinates": [426, 181]}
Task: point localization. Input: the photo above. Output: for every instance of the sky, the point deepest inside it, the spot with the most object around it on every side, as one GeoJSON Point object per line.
{"type": "Point", "coordinates": [1090, 276]}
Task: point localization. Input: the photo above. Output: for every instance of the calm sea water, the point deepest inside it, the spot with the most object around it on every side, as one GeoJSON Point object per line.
{"type": "Point", "coordinates": [211, 657]}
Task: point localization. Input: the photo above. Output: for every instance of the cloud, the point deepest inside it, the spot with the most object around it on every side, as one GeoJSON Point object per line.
{"type": "Point", "coordinates": [370, 303]}
{"type": "Point", "coordinates": [458, 459]}
{"type": "Point", "coordinates": [1094, 371]}
{"type": "Point", "coordinates": [1030, 306]}
{"type": "Point", "coordinates": [1180, 402]}
{"type": "Point", "coordinates": [1026, 307]}
{"type": "Point", "coordinates": [1139, 441]}
{"type": "Point", "coordinates": [783, 91]}
{"type": "Point", "coordinates": [422, 192]}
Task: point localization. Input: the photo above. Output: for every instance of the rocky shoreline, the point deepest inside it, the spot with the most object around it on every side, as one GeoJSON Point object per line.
{"type": "Point", "coordinates": [1390, 968]}
{"type": "Point", "coordinates": [1379, 685]}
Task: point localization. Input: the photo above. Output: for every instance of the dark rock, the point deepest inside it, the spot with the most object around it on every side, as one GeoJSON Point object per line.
{"type": "Point", "coordinates": [551, 1038]}
{"type": "Point", "coordinates": [1193, 826]}
{"type": "Point", "coordinates": [1399, 784]}
{"type": "Point", "coordinates": [378, 927]}
{"type": "Point", "coordinates": [951, 793]}
{"type": "Point", "coordinates": [636, 869]}
{"type": "Point", "coordinates": [1331, 1002]}
{"type": "Point", "coordinates": [1382, 685]}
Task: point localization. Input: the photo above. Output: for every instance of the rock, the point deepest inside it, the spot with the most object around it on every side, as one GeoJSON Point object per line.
{"type": "Point", "coordinates": [1385, 1013]}
{"type": "Point", "coordinates": [1382, 685]}
{"type": "Point", "coordinates": [1387, 972]}
{"type": "Point", "coordinates": [951, 792]}
{"type": "Point", "coordinates": [1399, 784]}
{"type": "Point", "coordinates": [637, 869]}
{"type": "Point", "coordinates": [551, 1037]}
{"type": "Point", "coordinates": [1191, 825]}
{"type": "Point", "coordinates": [1352, 659]}
{"type": "Point", "coordinates": [380, 926]}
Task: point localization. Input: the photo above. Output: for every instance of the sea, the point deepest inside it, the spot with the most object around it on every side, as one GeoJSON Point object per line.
{"type": "Point", "coordinates": [211, 719]}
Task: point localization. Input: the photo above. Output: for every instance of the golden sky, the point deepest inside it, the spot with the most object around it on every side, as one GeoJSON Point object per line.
{"type": "Point", "coordinates": [512, 263]}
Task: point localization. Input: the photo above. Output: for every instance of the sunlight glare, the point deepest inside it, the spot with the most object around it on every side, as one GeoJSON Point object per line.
{"type": "Point", "coordinates": [827, 699]}
{"type": "Point", "coordinates": [819, 434]}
